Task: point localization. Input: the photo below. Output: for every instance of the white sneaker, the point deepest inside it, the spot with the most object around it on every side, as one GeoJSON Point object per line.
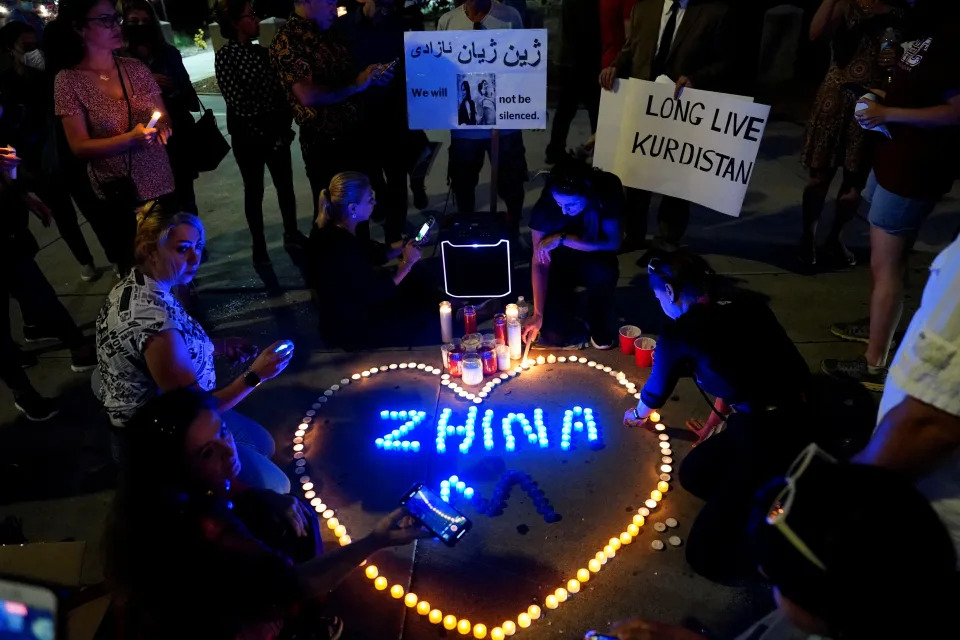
{"type": "Point", "coordinates": [89, 273]}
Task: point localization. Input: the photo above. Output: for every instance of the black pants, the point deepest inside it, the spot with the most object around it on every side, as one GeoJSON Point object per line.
{"type": "Point", "coordinates": [577, 86]}
{"type": "Point", "coordinates": [598, 272]}
{"type": "Point", "coordinates": [466, 161]}
{"type": "Point", "coordinates": [672, 217]}
{"type": "Point", "coordinates": [21, 279]}
{"type": "Point", "coordinates": [179, 151]}
{"type": "Point", "coordinates": [252, 156]}
{"type": "Point", "coordinates": [726, 470]}
{"type": "Point", "coordinates": [392, 160]}
{"type": "Point", "coordinates": [55, 193]}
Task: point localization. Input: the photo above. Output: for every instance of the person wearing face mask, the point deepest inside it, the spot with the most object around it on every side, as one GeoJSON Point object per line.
{"type": "Point", "coordinates": [145, 42]}
{"type": "Point", "coordinates": [26, 94]}
{"type": "Point", "coordinates": [737, 352]}
{"type": "Point", "coordinates": [148, 344]}
{"type": "Point", "coordinates": [198, 555]}
{"type": "Point", "coordinates": [575, 230]}
{"type": "Point", "coordinates": [361, 304]}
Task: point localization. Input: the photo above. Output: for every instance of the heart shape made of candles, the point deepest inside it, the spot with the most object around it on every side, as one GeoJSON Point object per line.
{"type": "Point", "coordinates": [399, 440]}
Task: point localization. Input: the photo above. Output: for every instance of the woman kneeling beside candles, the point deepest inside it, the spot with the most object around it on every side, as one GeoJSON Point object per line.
{"type": "Point", "coordinates": [737, 352]}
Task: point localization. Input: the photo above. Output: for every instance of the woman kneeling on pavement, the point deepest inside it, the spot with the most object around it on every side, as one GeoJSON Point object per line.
{"type": "Point", "coordinates": [737, 352]}
{"type": "Point", "coordinates": [362, 304]}
{"type": "Point", "coordinates": [575, 228]}
{"type": "Point", "coordinates": [148, 344]}
{"type": "Point", "coordinates": [195, 554]}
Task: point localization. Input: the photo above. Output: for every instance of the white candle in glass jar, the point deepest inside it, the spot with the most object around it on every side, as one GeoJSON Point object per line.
{"type": "Point", "coordinates": [446, 322]}
{"type": "Point", "coordinates": [503, 357]}
{"type": "Point", "coordinates": [513, 312]}
{"type": "Point", "coordinates": [472, 370]}
{"type": "Point", "coordinates": [513, 338]}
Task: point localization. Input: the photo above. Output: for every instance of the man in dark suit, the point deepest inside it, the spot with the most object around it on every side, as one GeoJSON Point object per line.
{"type": "Point", "coordinates": [693, 43]}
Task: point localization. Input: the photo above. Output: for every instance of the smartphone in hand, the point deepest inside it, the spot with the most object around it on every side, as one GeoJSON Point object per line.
{"type": "Point", "coordinates": [437, 516]}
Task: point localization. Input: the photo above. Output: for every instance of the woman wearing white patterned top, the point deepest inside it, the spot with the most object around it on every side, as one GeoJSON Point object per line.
{"type": "Point", "coordinates": [147, 343]}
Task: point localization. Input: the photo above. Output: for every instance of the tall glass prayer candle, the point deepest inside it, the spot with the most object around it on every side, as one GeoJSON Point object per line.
{"type": "Point", "coordinates": [512, 312]}
{"type": "Point", "coordinates": [503, 357]}
{"type": "Point", "coordinates": [513, 338]}
{"type": "Point", "coordinates": [472, 370]}
{"type": "Point", "coordinates": [445, 350]}
{"type": "Point", "coordinates": [500, 328]}
{"type": "Point", "coordinates": [488, 356]}
{"type": "Point", "coordinates": [469, 319]}
{"type": "Point", "coordinates": [455, 360]}
{"type": "Point", "coordinates": [446, 322]}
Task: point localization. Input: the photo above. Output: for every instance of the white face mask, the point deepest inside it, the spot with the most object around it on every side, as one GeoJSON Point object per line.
{"type": "Point", "coordinates": [35, 60]}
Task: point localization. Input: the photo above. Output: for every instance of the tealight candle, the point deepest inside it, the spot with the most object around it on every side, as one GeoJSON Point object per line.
{"type": "Point", "coordinates": [396, 591]}
{"type": "Point", "coordinates": [534, 612]}
{"type": "Point", "coordinates": [656, 495]}
{"type": "Point", "coordinates": [633, 529]}
{"type": "Point", "coordinates": [583, 576]}
{"type": "Point", "coordinates": [371, 571]}
{"type": "Point", "coordinates": [435, 616]}
{"type": "Point", "coordinates": [423, 607]}
{"type": "Point", "coordinates": [410, 600]}
{"type": "Point", "coordinates": [497, 634]}
{"type": "Point", "coordinates": [615, 543]}
{"type": "Point", "coordinates": [666, 468]}
{"type": "Point", "coordinates": [479, 631]}
{"type": "Point", "coordinates": [523, 620]}
{"type": "Point", "coordinates": [333, 523]}
{"type": "Point", "coordinates": [355, 376]}
{"type": "Point", "coordinates": [551, 359]}
{"type": "Point", "coordinates": [573, 586]}
{"type": "Point", "coordinates": [609, 551]}
{"type": "Point", "coordinates": [561, 594]}
{"type": "Point", "coordinates": [601, 558]}
{"type": "Point", "coordinates": [464, 627]}
{"type": "Point", "coordinates": [551, 602]}
{"type": "Point", "coordinates": [626, 538]}
{"type": "Point", "coordinates": [541, 360]}
{"type": "Point", "coordinates": [380, 583]}
{"type": "Point", "coordinates": [643, 511]}
{"type": "Point", "coordinates": [651, 504]}
{"type": "Point", "coordinates": [593, 565]}
{"type": "Point", "coordinates": [663, 486]}
{"type": "Point", "coordinates": [450, 622]}
{"type": "Point", "coordinates": [509, 628]}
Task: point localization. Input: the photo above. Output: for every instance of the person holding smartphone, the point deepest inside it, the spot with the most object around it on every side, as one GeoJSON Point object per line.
{"type": "Point", "coordinates": [148, 344]}
{"type": "Point", "coordinates": [361, 303]}
{"type": "Point", "coordinates": [197, 554]}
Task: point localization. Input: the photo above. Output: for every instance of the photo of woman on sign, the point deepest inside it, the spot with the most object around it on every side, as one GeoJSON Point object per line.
{"type": "Point", "coordinates": [488, 106]}
{"type": "Point", "coordinates": [467, 114]}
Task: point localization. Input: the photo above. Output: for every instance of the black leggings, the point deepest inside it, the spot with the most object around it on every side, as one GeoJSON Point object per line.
{"type": "Point", "coordinates": [252, 156]}
{"type": "Point", "coordinates": [726, 470]}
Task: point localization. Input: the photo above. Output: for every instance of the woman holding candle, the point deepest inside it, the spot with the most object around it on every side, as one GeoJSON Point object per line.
{"type": "Point", "coordinates": [363, 305]}
{"type": "Point", "coordinates": [104, 103]}
{"type": "Point", "coordinates": [148, 344]}
{"type": "Point", "coordinates": [197, 554]}
{"type": "Point", "coordinates": [575, 228]}
{"type": "Point", "coordinates": [146, 43]}
{"type": "Point", "coordinates": [739, 353]}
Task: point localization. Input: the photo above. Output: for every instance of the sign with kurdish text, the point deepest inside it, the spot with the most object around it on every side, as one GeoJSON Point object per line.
{"type": "Point", "coordinates": [486, 79]}
{"type": "Point", "coordinates": [700, 147]}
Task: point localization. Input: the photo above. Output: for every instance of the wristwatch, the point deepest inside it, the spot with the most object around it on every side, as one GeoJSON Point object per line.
{"type": "Point", "coordinates": [251, 379]}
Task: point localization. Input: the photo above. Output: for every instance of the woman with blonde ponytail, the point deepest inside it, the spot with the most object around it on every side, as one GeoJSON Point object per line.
{"type": "Point", "coordinates": [352, 290]}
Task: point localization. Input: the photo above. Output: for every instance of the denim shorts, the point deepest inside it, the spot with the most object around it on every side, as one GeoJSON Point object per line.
{"type": "Point", "coordinates": [897, 215]}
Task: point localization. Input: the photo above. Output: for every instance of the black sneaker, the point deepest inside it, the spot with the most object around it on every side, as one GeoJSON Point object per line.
{"type": "Point", "coordinates": [858, 331]}
{"type": "Point", "coordinates": [35, 407]}
{"type": "Point", "coordinates": [83, 359]}
{"type": "Point", "coordinates": [36, 333]}
{"type": "Point", "coordinates": [260, 256]}
{"type": "Point", "coordinates": [837, 253]}
{"type": "Point", "coordinates": [873, 378]}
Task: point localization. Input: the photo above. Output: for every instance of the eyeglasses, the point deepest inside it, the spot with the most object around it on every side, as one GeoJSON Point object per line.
{"type": "Point", "coordinates": [108, 21]}
{"type": "Point", "coordinates": [780, 509]}
{"type": "Point", "coordinates": [657, 267]}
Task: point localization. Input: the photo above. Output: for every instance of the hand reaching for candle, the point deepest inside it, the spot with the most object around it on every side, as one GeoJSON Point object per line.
{"type": "Point", "coordinates": [531, 328]}
{"type": "Point", "coordinates": [547, 244]}
{"type": "Point", "coordinates": [398, 528]}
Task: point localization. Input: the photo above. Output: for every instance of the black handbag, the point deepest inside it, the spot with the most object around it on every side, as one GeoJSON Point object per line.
{"type": "Point", "coordinates": [210, 147]}
{"type": "Point", "coordinates": [120, 191]}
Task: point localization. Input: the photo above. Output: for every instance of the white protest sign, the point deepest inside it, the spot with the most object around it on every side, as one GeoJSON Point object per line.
{"type": "Point", "coordinates": [701, 147]}
{"type": "Point", "coordinates": [485, 79]}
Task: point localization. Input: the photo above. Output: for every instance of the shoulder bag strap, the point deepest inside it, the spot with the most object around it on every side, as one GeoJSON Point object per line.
{"type": "Point", "coordinates": [123, 86]}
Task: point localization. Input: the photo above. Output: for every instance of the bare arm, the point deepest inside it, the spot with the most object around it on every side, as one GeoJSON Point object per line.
{"type": "Point", "coordinates": [169, 364]}
{"type": "Point", "coordinates": [828, 17]}
{"type": "Point", "coordinates": [611, 228]}
{"type": "Point", "coordinates": [913, 438]}
{"type": "Point", "coordinates": [944, 115]}
{"type": "Point", "coordinates": [87, 148]}
{"type": "Point", "coordinates": [540, 275]}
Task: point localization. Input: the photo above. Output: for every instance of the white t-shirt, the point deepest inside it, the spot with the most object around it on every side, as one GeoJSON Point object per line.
{"type": "Point", "coordinates": [136, 309]}
{"type": "Point", "coordinates": [500, 16]}
{"type": "Point", "coordinates": [927, 367]}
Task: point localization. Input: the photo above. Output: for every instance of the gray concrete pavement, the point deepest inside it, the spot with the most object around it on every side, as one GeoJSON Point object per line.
{"type": "Point", "coordinates": [53, 474]}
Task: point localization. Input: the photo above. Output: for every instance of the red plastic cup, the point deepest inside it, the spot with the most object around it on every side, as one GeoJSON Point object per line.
{"type": "Point", "coordinates": [643, 351]}
{"type": "Point", "coordinates": [628, 335]}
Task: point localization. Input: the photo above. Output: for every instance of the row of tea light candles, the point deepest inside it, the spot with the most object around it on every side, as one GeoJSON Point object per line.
{"type": "Point", "coordinates": [552, 601]}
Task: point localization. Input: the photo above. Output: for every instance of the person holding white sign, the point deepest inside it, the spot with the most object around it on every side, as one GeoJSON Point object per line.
{"type": "Point", "coordinates": [693, 46]}
{"type": "Point", "coordinates": [575, 228]}
{"type": "Point", "coordinates": [468, 147]}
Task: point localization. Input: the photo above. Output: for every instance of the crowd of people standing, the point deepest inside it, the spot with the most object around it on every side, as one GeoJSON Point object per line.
{"type": "Point", "coordinates": [98, 116]}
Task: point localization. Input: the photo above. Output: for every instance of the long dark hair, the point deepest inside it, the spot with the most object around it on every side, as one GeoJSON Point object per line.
{"type": "Point", "coordinates": [572, 177]}
{"type": "Point", "coordinates": [62, 43]}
